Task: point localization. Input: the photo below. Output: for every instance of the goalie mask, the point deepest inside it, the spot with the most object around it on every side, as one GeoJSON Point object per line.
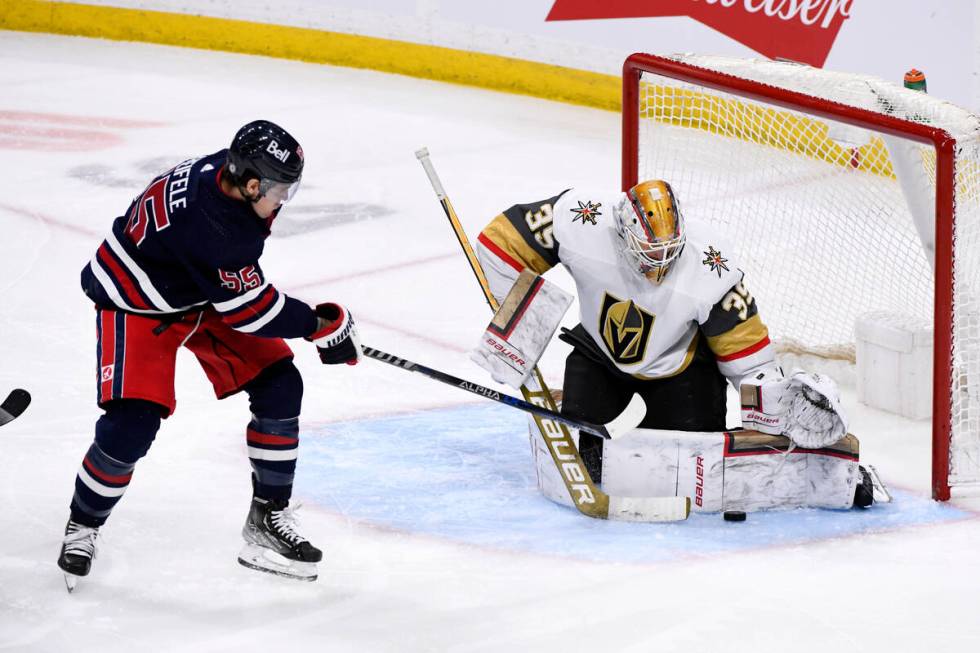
{"type": "Point", "coordinates": [649, 221]}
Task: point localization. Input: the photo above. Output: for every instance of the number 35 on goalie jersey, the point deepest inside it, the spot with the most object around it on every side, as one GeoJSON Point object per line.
{"type": "Point", "coordinates": [703, 296]}
{"type": "Point", "coordinates": [521, 237]}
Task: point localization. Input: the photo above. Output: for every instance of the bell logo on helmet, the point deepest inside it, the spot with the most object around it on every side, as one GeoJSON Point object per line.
{"type": "Point", "coordinates": [274, 150]}
{"type": "Point", "coordinates": [265, 151]}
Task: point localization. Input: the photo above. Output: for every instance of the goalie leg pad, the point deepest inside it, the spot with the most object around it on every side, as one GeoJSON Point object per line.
{"type": "Point", "coordinates": [741, 470]}
{"type": "Point", "coordinates": [766, 472]}
{"type": "Point", "coordinates": [549, 475]}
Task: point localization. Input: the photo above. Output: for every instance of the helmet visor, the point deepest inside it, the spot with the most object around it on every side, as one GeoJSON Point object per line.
{"type": "Point", "coordinates": [277, 191]}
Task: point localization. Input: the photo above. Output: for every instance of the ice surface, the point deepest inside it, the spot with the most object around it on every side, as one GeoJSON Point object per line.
{"type": "Point", "coordinates": [423, 499]}
{"type": "Point", "coordinates": [464, 474]}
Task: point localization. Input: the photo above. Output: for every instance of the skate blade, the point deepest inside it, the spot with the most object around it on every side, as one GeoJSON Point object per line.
{"type": "Point", "coordinates": [262, 559]}
{"type": "Point", "coordinates": [879, 491]}
{"type": "Point", "coordinates": [70, 581]}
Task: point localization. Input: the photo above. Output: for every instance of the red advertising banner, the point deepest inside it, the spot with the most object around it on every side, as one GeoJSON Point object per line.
{"type": "Point", "coordinates": [801, 30]}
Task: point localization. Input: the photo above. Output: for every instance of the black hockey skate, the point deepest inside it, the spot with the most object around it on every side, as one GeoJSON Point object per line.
{"type": "Point", "coordinates": [77, 552]}
{"type": "Point", "coordinates": [273, 545]}
{"type": "Point", "coordinates": [870, 489]}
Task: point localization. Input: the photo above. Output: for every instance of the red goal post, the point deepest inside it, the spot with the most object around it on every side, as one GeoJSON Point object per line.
{"type": "Point", "coordinates": [799, 162]}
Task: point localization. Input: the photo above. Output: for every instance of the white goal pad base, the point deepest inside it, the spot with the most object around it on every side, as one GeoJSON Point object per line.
{"type": "Point", "coordinates": [738, 470]}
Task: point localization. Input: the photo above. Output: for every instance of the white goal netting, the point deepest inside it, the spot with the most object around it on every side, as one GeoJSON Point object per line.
{"type": "Point", "coordinates": [828, 220]}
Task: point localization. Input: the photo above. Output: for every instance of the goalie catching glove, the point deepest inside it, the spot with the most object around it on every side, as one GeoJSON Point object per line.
{"type": "Point", "coordinates": [805, 407]}
{"type": "Point", "coordinates": [336, 338]}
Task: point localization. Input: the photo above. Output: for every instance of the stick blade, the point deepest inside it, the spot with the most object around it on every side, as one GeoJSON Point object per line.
{"type": "Point", "coordinates": [629, 419]}
{"type": "Point", "coordinates": [649, 509]}
{"type": "Point", "coordinates": [16, 403]}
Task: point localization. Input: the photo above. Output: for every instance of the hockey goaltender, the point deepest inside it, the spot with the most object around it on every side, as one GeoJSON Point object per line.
{"type": "Point", "coordinates": [665, 313]}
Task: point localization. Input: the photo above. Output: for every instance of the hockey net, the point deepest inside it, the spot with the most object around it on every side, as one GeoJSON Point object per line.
{"type": "Point", "coordinates": [836, 193]}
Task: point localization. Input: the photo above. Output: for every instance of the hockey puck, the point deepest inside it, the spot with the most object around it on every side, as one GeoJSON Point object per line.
{"type": "Point", "coordinates": [734, 515]}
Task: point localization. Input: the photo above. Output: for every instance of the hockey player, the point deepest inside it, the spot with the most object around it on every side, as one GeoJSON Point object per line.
{"type": "Point", "coordinates": [181, 269]}
{"type": "Point", "coordinates": [664, 313]}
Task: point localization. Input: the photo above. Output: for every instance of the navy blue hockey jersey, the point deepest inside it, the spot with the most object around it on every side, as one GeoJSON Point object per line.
{"type": "Point", "coordinates": [183, 245]}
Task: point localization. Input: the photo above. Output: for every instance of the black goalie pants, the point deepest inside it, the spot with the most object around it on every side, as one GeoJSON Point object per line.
{"type": "Point", "coordinates": [693, 400]}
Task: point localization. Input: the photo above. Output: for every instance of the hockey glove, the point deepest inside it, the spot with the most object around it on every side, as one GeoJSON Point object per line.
{"type": "Point", "coordinates": [816, 418]}
{"type": "Point", "coordinates": [805, 407]}
{"type": "Point", "coordinates": [336, 338]}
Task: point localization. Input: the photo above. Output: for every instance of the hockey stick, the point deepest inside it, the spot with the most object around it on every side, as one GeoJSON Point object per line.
{"type": "Point", "coordinates": [625, 422]}
{"type": "Point", "coordinates": [16, 403]}
{"type": "Point", "coordinates": [587, 498]}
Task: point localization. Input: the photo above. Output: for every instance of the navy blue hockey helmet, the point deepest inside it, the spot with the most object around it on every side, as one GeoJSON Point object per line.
{"type": "Point", "coordinates": [265, 151]}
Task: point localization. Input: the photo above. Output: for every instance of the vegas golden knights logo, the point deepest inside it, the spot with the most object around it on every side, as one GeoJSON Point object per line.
{"type": "Point", "coordinates": [625, 328]}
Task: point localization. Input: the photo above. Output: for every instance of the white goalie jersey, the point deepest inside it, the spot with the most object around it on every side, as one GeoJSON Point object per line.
{"type": "Point", "coordinates": [645, 329]}
{"type": "Point", "coordinates": [799, 454]}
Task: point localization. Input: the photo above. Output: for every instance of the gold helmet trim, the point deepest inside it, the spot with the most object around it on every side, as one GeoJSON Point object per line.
{"type": "Point", "coordinates": [651, 225]}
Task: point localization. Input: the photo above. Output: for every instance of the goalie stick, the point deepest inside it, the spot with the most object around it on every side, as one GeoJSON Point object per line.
{"type": "Point", "coordinates": [586, 497]}
{"type": "Point", "coordinates": [645, 509]}
{"type": "Point", "coordinates": [625, 422]}
{"type": "Point", "coordinates": [16, 403]}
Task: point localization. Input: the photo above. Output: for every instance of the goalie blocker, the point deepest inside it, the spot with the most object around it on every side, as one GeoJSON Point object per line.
{"type": "Point", "coordinates": [521, 329]}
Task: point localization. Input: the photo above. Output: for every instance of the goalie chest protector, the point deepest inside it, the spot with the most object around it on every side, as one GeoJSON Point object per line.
{"type": "Point", "coordinates": [646, 329]}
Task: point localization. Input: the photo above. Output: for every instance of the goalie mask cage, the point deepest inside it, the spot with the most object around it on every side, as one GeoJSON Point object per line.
{"type": "Point", "coordinates": [840, 194]}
